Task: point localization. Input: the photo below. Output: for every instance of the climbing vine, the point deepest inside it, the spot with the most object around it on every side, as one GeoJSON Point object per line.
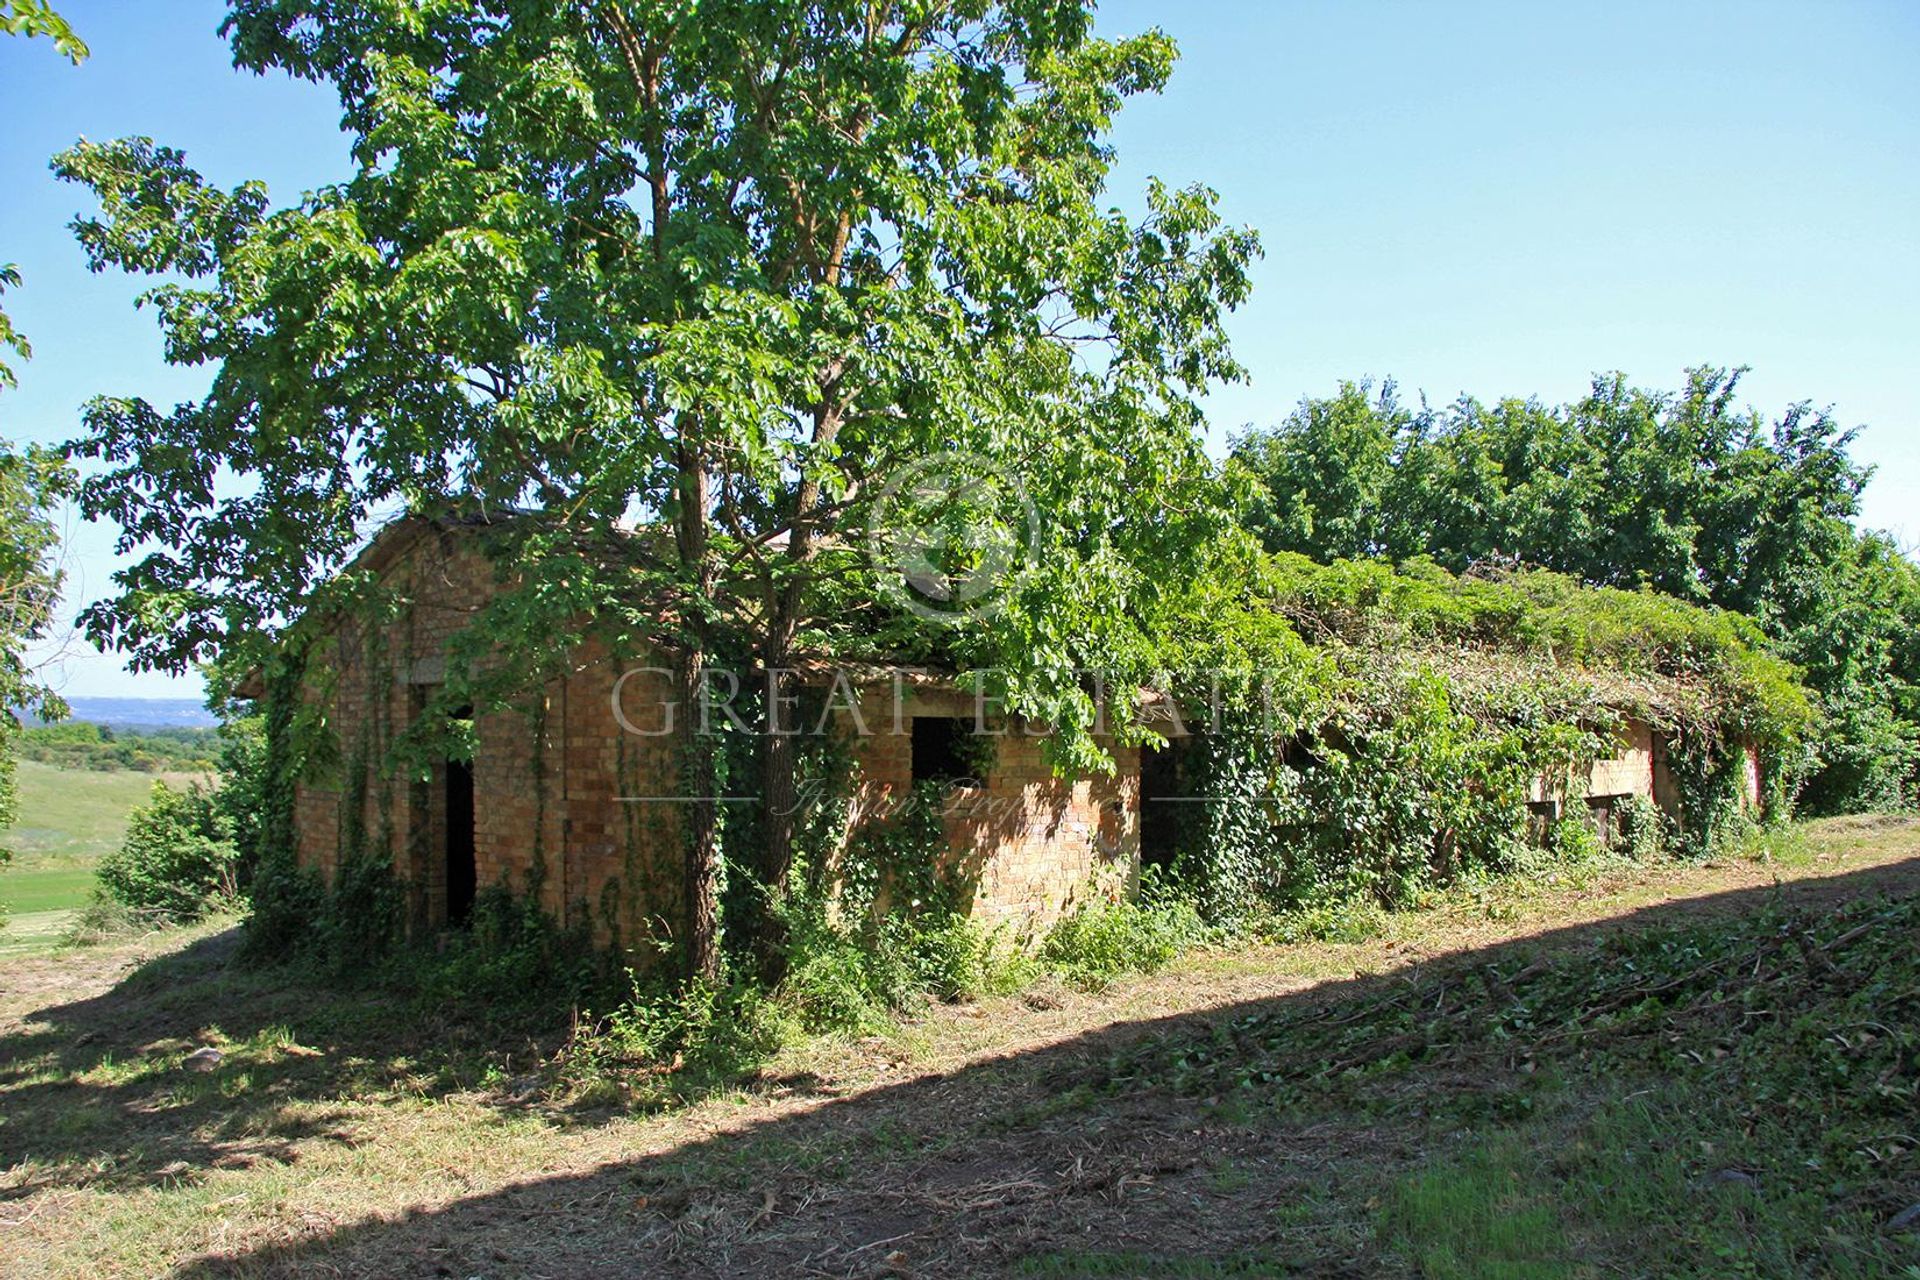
{"type": "Point", "coordinates": [1387, 730]}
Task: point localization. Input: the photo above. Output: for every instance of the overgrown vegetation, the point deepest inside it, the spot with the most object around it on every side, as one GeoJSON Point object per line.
{"type": "Point", "coordinates": [1381, 731]}
{"type": "Point", "coordinates": [178, 861]}
{"type": "Point", "coordinates": [748, 274]}
{"type": "Point", "coordinates": [1732, 1097]}
{"type": "Point", "coordinates": [1686, 493]}
{"type": "Point", "coordinates": [1384, 733]}
{"type": "Point", "coordinates": [188, 851]}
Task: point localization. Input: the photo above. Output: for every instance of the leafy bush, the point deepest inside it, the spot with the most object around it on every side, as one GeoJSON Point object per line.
{"type": "Point", "coordinates": [1379, 730]}
{"type": "Point", "coordinates": [1112, 936]}
{"type": "Point", "coordinates": [177, 860]}
{"type": "Point", "coordinates": [1573, 841]}
{"type": "Point", "coordinates": [285, 904]}
{"type": "Point", "coordinates": [243, 794]}
{"type": "Point", "coordinates": [665, 1043]}
{"type": "Point", "coordinates": [1642, 828]}
{"type": "Point", "coordinates": [510, 954]}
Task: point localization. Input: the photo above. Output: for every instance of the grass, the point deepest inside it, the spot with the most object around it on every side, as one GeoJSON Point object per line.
{"type": "Point", "coordinates": [1480, 1217]}
{"type": "Point", "coordinates": [69, 819]}
{"type": "Point", "coordinates": [1636, 1071]}
{"type": "Point", "coordinates": [37, 889]}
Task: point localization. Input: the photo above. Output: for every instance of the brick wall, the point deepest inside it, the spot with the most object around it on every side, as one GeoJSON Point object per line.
{"type": "Point", "coordinates": [1030, 843]}
{"type": "Point", "coordinates": [548, 775]}
{"type": "Point", "coordinates": [573, 803]}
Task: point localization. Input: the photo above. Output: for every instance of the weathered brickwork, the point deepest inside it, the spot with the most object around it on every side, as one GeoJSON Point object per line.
{"type": "Point", "coordinates": [575, 797]}
{"type": "Point", "coordinates": [1029, 842]}
{"type": "Point", "coordinates": [548, 776]}
{"type": "Point", "coordinates": [577, 806]}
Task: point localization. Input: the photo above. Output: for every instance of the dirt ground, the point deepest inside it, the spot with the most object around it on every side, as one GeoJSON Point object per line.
{"type": "Point", "coordinates": [328, 1142]}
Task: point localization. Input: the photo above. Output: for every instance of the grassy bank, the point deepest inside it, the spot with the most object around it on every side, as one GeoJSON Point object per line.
{"type": "Point", "coordinates": [69, 819]}
{"type": "Point", "coordinates": [1632, 1071]}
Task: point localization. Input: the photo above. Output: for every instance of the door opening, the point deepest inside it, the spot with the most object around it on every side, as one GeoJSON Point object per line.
{"type": "Point", "coordinates": [1162, 792]}
{"type": "Point", "coordinates": [463, 876]}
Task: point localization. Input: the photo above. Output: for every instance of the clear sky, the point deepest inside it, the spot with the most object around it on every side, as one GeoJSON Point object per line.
{"type": "Point", "coordinates": [1494, 198]}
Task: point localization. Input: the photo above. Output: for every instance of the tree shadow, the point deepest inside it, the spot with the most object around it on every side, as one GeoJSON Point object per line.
{"type": "Point", "coordinates": [1062, 1160]}
{"type": "Point", "coordinates": [119, 1089]}
{"type": "Point", "coordinates": [1069, 1159]}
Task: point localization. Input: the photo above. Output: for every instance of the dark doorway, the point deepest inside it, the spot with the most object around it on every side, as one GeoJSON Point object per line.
{"type": "Point", "coordinates": [1162, 792]}
{"type": "Point", "coordinates": [462, 875]}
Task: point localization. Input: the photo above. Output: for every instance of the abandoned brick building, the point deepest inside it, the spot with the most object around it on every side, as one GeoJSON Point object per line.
{"type": "Point", "coordinates": [577, 804]}
{"type": "Point", "coordinates": [584, 791]}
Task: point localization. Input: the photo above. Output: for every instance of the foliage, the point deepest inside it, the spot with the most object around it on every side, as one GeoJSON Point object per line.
{"type": "Point", "coordinates": [10, 337]}
{"type": "Point", "coordinates": [1375, 731]}
{"type": "Point", "coordinates": [31, 484]}
{"type": "Point", "coordinates": [37, 18]}
{"type": "Point", "coordinates": [82, 745]}
{"type": "Point", "coordinates": [668, 1043]}
{"type": "Point", "coordinates": [877, 919]}
{"type": "Point", "coordinates": [725, 266]}
{"type": "Point", "coordinates": [1113, 935]}
{"type": "Point", "coordinates": [29, 18]}
{"type": "Point", "coordinates": [1685, 494]}
{"type": "Point", "coordinates": [178, 858]}
{"type": "Point", "coordinates": [1643, 828]}
{"type": "Point", "coordinates": [245, 791]}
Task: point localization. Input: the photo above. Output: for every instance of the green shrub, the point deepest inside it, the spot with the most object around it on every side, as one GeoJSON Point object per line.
{"type": "Point", "coordinates": [1642, 828]}
{"type": "Point", "coordinates": [957, 959]}
{"type": "Point", "coordinates": [510, 954]}
{"type": "Point", "coordinates": [177, 860]}
{"type": "Point", "coordinates": [1109, 937]}
{"type": "Point", "coordinates": [285, 906]}
{"type": "Point", "coordinates": [243, 795]}
{"type": "Point", "coordinates": [1572, 841]}
{"type": "Point", "coordinates": [665, 1043]}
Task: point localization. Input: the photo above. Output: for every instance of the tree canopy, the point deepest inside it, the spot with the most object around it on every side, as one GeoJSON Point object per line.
{"type": "Point", "coordinates": [727, 267]}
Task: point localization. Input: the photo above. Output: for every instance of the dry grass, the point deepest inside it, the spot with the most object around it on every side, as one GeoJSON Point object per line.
{"type": "Point", "coordinates": [339, 1137]}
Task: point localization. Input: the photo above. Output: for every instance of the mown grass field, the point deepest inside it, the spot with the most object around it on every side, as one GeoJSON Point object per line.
{"type": "Point", "coordinates": [69, 819]}
{"type": "Point", "coordinates": [1663, 1070]}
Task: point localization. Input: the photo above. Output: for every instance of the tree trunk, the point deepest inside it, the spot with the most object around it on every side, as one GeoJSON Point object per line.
{"type": "Point", "coordinates": [701, 836]}
{"type": "Point", "coordinates": [698, 783]}
{"type": "Point", "coordinates": [777, 758]}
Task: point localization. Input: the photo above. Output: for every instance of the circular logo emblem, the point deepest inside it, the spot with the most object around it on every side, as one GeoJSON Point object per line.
{"type": "Point", "coordinates": [947, 532]}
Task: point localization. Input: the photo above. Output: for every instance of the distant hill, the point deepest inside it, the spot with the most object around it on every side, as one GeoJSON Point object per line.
{"type": "Point", "coordinates": [143, 713]}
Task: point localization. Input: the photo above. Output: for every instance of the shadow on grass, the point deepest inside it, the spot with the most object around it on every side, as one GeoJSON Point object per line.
{"type": "Point", "coordinates": [107, 1090]}
{"type": "Point", "coordinates": [1187, 1146]}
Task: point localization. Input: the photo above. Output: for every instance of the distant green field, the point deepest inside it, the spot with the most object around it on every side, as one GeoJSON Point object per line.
{"type": "Point", "coordinates": [69, 818]}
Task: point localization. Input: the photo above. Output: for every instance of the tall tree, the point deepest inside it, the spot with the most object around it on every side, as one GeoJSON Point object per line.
{"type": "Point", "coordinates": [728, 267]}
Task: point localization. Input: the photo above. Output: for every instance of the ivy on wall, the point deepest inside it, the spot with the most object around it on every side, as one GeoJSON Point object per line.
{"type": "Point", "coordinates": [1383, 730]}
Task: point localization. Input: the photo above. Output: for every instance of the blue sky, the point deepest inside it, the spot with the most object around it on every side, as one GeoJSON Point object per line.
{"type": "Point", "coordinates": [1479, 197]}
